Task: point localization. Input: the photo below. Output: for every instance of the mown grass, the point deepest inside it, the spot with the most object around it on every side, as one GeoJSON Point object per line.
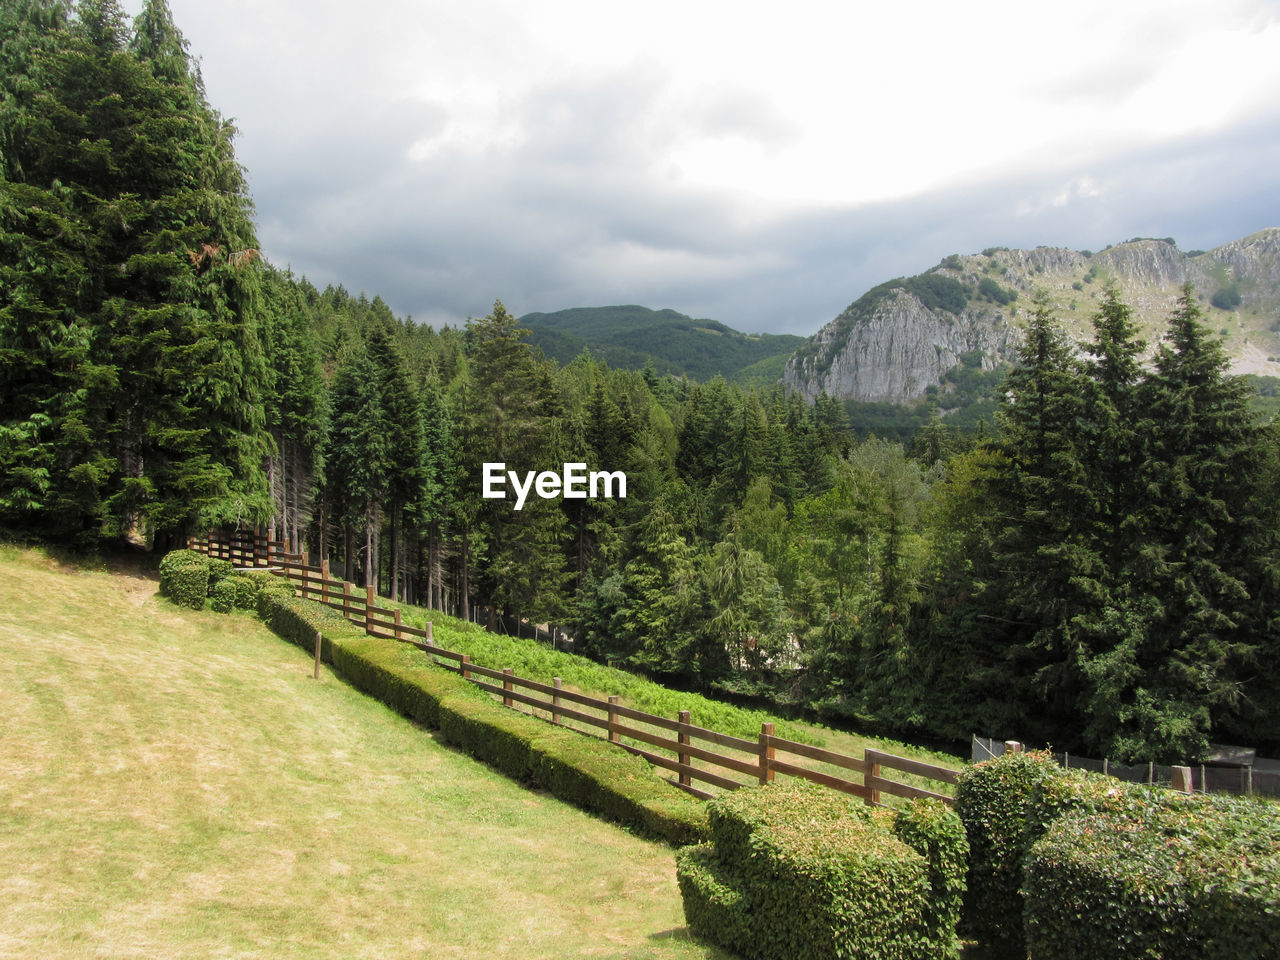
{"type": "Point", "coordinates": [174, 784]}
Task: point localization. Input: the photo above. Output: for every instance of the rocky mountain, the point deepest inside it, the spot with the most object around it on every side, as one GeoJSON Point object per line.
{"type": "Point", "coordinates": [632, 337]}
{"type": "Point", "coordinates": [902, 337]}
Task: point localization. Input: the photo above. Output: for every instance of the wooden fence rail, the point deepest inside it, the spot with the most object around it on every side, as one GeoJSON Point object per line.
{"type": "Point", "coordinates": [673, 745]}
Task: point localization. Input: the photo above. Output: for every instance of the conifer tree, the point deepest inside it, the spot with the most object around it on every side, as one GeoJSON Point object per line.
{"type": "Point", "coordinates": [128, 248]}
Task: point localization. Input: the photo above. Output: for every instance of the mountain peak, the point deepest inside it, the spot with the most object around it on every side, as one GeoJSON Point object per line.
{"type": "Point", "coordinates": [901, 337]}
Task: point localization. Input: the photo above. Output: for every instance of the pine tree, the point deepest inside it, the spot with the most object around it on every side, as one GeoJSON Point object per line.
{"type": "Point", "coordinates": [128, 250]}
{"type": "Point", "coordinates": [1204, 523]}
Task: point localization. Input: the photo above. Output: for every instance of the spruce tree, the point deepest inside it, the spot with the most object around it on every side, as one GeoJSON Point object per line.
{"type": "Point", "coordinates": [128, 249]}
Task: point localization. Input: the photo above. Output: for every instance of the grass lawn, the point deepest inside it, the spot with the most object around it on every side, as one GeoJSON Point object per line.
{"type": "Point", "coordinates": [175, 784]}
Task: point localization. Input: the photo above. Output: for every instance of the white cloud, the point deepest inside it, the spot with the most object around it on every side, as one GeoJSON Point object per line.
{"type": "Point", "coordinates": [460, 152]}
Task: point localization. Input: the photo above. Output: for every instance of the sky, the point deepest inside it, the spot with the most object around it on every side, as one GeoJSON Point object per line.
{"type": "Point", "coordinates": [759, 164]}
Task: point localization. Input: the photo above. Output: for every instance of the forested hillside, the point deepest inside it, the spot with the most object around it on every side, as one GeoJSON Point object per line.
{"type": "Point", "coordinates": [671, 343]}
{"type": "Point", "coordinates": [1098, 567]}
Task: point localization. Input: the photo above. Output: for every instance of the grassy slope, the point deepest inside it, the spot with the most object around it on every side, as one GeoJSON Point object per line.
{"type": "Point", "coordinates": [535, 661]}
{"type": "Point", "coordinates": [174, 784]}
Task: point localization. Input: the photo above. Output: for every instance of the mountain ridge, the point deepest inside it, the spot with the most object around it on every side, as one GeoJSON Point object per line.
{"type": "Point", "coordinates": [633, 336]}
{"type": "Point", "coordinates": [900, 338]}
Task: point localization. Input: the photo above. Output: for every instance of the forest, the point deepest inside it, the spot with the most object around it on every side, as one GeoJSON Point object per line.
{"type": "Point", "coordinates": [1097, 567]}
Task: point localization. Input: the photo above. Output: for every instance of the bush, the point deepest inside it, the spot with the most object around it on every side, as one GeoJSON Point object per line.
{"type": "Point", "coordinates": [798, 871]}
{"type": "Point", "coordinates": [184, 578]}
{"type": "Point", "coordinates": [219, 570]}
{"type": "Point", "coordinates": [236, 592]}
{"type": "Point", "coordinates": [714, 906]}
{"type": "Point", "coordinates": [933, 830]}
{"type": "Point", "coordinates": [1157, 874]}
{"type": "Point", "coordinates": [993, 800]}
{"type": "Point", "coordinates": [222, 598]}
{"type": "Point", "coordinates": [1227, 298]}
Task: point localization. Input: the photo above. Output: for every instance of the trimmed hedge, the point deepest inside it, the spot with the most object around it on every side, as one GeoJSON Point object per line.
{"type": "Point", "coordinates": [573, 767]}
{"type": "Point", "coordinates": [184, 578]}
{"type": "Point", "coordinates": [798, 871]}
{"type": "Point", "coordinates": [993, 799]}
{"type": "Point", "coordinates": [1076, 866]}
{"type": "Point", "coordinates": [933, 830]}
{"type": "Point", "coordinates": [714, 906]}
{"type": "Point", "coordinates": [1156, 874]}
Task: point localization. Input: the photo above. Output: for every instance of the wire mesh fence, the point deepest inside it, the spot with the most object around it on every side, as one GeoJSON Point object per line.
{"type": "Point", "coordinates": [1258, 776]}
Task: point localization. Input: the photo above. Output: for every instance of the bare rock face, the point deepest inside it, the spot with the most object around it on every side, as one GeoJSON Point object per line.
{"type": "Point", "coordinates": [897, 352]}
{"type": "Point", "coordinates": [902, 337]}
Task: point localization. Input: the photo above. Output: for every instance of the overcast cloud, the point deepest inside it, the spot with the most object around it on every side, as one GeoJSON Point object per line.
{"type": "Point", "coordinates": [758, 164]}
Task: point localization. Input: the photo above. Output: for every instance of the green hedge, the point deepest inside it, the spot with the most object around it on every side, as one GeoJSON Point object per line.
{"type": "Point", "coordinates": [184, 578]}
{"type": "Point", "coordinates": [715, 906]}
{"type": "Point", "coordinates": [574, 767]}
{"type": "Point", "coordinates": [1156, 874]}
{"type": "Point", "coordinates": [933, 830]}
{"type": "Point", "coordinates": [798, 871]}
{"type": "Point", "coordinates": [993, 800]}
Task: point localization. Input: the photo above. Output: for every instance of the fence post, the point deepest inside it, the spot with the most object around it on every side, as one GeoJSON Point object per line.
{"type": "Point", "coordinates": [317, 674]}
{"type": "Point", "coordinates": [346, 598]}
{"type": "Point", "coordinates": [430, 636]}
{"type": "Point", "coordinates": [873, 775]}
{"type": "Point", "coordinates": [683, 737]}
{"type": "Point", "coordinates": [368, 602]}
{"type": "Point", "coordinates": [506, 687]}
{"type": "Point", "coordinates": [555, 700]}
{"type": "Point", "coordinates": [324, 580]}
{"type": "Point", "coordinates": [613, 719]}
{"type": "Point", "coordinates": [466, 667]}
{"type": "Point", "coordinates": [766, 753]}
{"type": "Point", "coordinates": [399, 623]}
{"type": "Point", "coordinates": [1182, 780]}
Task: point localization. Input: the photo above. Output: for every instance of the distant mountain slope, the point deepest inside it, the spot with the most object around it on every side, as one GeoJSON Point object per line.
{"type": "Point", "coordinates": [902, 337]}
{"type": "Point", "coordinates": [632, 336]}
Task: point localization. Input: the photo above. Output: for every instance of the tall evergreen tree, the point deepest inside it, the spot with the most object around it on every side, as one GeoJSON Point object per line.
{"type": "Point", "coordinates": [129, 248]}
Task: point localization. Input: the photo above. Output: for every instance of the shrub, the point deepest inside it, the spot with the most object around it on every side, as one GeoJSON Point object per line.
{"type": "Point", "coordinates": [992, 291]}
{"type": "Point", "coordinates": [993, 800]}
{"type": "Point", "coordinates": [715, 908]}
{"type": "Point", "coordinates": [798, 871]}
{"type": "Point", "coordinates": [1157, 874]}
{"type": "Point", "coordinates": [236, 592]}
{"type": "Point", "coordinates": [1227, 298]}
{"type": "Point", "coordinates": [219, 570]}
{"type": "Point", "coordinates": [222, 598]}
{"type": "Point", "coordinates": [933, 830]}
{"type": "Point", "coordinates": [184, 578]}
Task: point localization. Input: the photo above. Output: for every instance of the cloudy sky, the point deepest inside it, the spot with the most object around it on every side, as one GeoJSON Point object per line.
{"type": "Point", "coordinates": [761, 164]}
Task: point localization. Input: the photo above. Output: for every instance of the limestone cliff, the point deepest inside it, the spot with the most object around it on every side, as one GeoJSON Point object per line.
{"type": "Point", "coordinates": [902, 337]}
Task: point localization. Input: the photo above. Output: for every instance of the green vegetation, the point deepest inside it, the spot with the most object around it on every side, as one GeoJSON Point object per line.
{"type": "Point", "coordinates": [993, 800]}
{"type": "Point", "coordinates": [633, 337]}
{"type": "Point", "coordinates": [533, 660]}
{"type": "Point", "coordinates": [1226, 298]}
{"type": "Point", "coordinates": [217, 800]}
{"type": "Point", "coordinates": [988, 289]}
{"type": "Point", "coordinates": [1086, 867]}
{"type": "Point", "coordinates": [1085, 553]}
{"type": "Point", "coordinates": [798, 871]}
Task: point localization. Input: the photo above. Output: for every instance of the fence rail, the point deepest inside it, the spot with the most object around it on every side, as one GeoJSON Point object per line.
{"type": "Point", "coordinates": [676, 745]}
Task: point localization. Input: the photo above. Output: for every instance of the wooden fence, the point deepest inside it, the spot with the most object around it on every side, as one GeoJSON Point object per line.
{"type": "Point", "coordinates": [693, 753]}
